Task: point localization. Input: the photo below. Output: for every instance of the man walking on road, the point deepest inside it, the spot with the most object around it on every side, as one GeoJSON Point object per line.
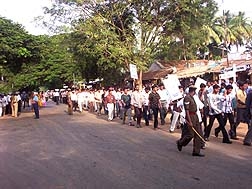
{"type": "Point", "coordinates": [248, 138]}
{"type": "Point", "coordinates": [192, 123]}
{"type": "Point", "coordinates": [155, 104]}
{"type": "Point", "coordinates": [35, 105]}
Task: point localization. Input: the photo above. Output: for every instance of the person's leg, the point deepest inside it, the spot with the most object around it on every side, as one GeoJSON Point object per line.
{"type": "Point", "coordinates": [248, 138]}
{"type": "Point", "coordinates": [209, 127]}
{"type": "Point", "coordinates": [223, 130]}
{"type": "Point", "coordinates": [238, 120]}
{"type": "Point", "coordinates": [174, 121]}
{"type": "Point", "coordinates": [145, 115]}
{"type": "Point", "coordinates": [155, 115]}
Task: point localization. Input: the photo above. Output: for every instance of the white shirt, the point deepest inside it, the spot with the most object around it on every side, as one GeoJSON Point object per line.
{"type": "Point", "coordinates": [215, 103]}
{"type": "Point", "coordinates": [73, 96]}
{"type": "Point", "coordinates": [118, 95]}
{"type": "Point", "coordinates": [137, 99]}
{"type": "Point", "coordinates": [180, 104]}
{"type": "Point", "coordinates": [200, 106]}
{"type": "Point", "coordinates": [146, 98]}
{"type": "Point", "coordinates": [227, 104]}
{"type": "Point", "coordinates": [163, 95]}
{"type": "Point", "coordinates": [80, 97]}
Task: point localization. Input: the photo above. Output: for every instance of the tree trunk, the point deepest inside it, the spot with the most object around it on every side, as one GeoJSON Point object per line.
{"type": "Point", "coordinates": [140, 81]}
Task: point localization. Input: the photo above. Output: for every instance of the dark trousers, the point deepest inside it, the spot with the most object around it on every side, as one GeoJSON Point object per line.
{"type": "Point", "coordinates": [163, 112]}
{"type": "Point", "coordinates": [8, 109]}
{"type": "Point", "coordinates": [138, 113]}
{"type": "Point", "coordinates": [242, 116]}
{"type": "Point", "coordinates": [57, 100]}
{"type": "Point", "coordinates": [146, 115]}
{"type": "Point", "coordinates": [155, 115]}
{"type": "Point", "coordinates": [19, 106]}
{"type": "Point", "coordinates": [188, 134]}
{"type": "Point", "coordinates": [36, 109]}
{"type": "Point", "coordinates": [221, 127]}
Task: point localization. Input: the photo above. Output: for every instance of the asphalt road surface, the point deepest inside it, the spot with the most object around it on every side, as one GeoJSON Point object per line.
{"type": "Point", "coordinates": [84, 151]}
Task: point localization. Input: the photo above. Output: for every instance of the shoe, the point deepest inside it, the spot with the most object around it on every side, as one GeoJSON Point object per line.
{"type": "Point", "coordinates": [234, 138]}
{"type": "Point", "coordinates": [203, 147]}
{"type": "Point", "coordinates": [138, 126]}
{"type": "Point", "coordinates": [131, 124]}
{"type": "Point", "coordinates": [227, 142]}
{"type": "Point", "coordinates": [36, 117]}
{"type": "Point", "coordinates": [206, 138]}
{"type": "Point", "coordinates": [171, 131]}
{"type": "Point", "coordinates": [246, 144]}
{"type": "Point", "coordinates": [198, 154]}
{"type": "Point", "coordinates": [179, 146]}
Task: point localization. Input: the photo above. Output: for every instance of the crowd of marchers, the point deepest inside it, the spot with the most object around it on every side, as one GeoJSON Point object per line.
{"type": "Point", "coordinates": [227, 102]}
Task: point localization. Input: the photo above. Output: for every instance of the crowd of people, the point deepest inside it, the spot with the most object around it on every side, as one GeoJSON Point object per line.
{"type": "Point", "coordinates": [12, 104]}
{"type": "Point", "coordinates": [194, 113]}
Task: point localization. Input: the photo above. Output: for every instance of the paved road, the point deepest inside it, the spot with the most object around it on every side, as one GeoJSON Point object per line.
{"type": "Point", "coordinates": [82, 151]}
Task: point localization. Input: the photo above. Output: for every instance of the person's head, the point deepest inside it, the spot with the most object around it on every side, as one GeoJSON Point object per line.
{"type": "Point", "coordinates": [243, 85]}
{"type": "Point", "coordinates": [137, 87]}
{"type": "Point", "coordinates": [147, 89]}
{"type": "Point", "coordinates": [154, 88]}
{"type": "Point", "coordinates": [110, 91]}
{"type": "Point", "coordinates": [209, 83]}
{"type": "Point", "coordinates": [161, 86]}
{"type": "Point", "coordinates": [202, 86]}
{"type": "Point", "coordinates": [125, 90]}
{"type": "Point", "coordinates": [223, 85]}
{"type": "Point", "coordinates": [192, 90]}
{"type": "Point", "coordinates": [231, 80]}
{"type": "Point", "coordinates": [229, 89]}
{"type": "Point", "coordinates": [181, 89]}
{"type": "Point", "coordinates": [216, 88]}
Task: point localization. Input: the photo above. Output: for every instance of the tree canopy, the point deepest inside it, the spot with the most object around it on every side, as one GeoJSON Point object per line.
{"type": "Point", "coordinates": [103, 37]}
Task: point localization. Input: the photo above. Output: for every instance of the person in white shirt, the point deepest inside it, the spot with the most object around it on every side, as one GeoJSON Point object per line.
{"type": "Point", "coordinates": [137, 103]}
{"type": "Point", "coordinates": [4, 103]}
{"type": "Point", "coordinates": [215, 101]}
{"type": "Point", "coordinates": [1, 105]}
{"type": "Point", "coordinates": [98, 101]}
{"type": "Point", "coordinates": [146, 111]}
{"type": "Point", "coordinates": [91, 101]}
{"type": "Point", "coordinates": [56, 96]}
{"type": "Point", "coordinates": [118, 104]}
{"type": "Point", "coordinates": [73, 97]}
{"type": "Point", "coordinates": [80, 100]}
{"type": "Point", "coordinates": [164, 102]}
{"type": "Point", "coordinates": [227, 109]}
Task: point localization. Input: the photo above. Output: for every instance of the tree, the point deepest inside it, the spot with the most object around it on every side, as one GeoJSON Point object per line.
{"type": "Point", "coordinates": [17, 49]}
{"type": "Point", "coordinates": [136, 31]}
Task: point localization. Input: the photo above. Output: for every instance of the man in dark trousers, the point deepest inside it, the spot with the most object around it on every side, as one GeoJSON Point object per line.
{"type": "Point", "coordinates": [192, 121]}
{"type": "Point", "coordinates": [248, 138]}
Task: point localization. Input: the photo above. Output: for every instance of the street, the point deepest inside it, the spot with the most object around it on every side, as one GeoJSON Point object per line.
{"type": "Point", "coordinates": [83, 151]}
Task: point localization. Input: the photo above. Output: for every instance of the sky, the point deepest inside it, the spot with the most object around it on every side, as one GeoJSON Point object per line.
{"type": "Point", "coordinates": [24, 11]}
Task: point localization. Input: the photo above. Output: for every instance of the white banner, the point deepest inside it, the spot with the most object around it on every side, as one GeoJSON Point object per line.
{"type": "Point", "coordinates": [199, 81]}
{"type": "Point", "coordinates": [133, 71]}
{"type": "Point", "coordinates": [227, 75]}
{"type": "Point", "coordinates": [172, 86]}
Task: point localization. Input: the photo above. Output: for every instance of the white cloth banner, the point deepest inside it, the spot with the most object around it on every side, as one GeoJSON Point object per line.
{"type": "Point", "coordinates": [199, 81]}
{"type": "Point", "coordinates": [172, 86]}
{"type": "Point", "coordinates": [133, 71]}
